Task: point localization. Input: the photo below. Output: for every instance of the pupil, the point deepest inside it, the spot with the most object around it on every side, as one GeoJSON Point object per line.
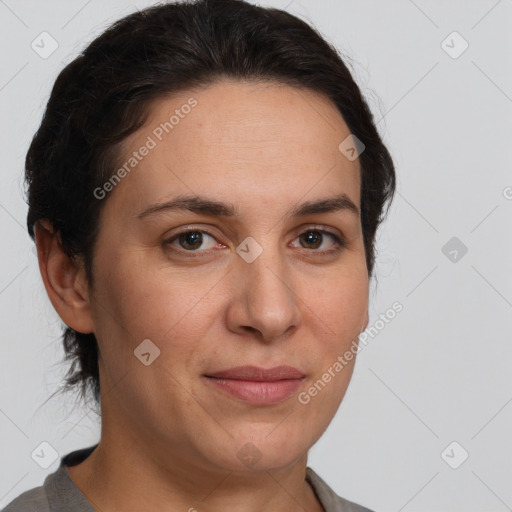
{"type": "Point", "coordinates": [193, 238]}
{"type": "Point", "coordinates": [311, 237]}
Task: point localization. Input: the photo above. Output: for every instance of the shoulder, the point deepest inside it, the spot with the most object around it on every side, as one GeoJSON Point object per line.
{"type": "Point", "coordinates": [58, 491]}
{"type": "Point", "coordinates": [33, 500]}
{"type": "Point", "coordinates": [330, 501]}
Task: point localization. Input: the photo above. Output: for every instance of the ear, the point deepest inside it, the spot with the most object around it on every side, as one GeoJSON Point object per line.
{"type": "Point", "coordinates": [64, 279]}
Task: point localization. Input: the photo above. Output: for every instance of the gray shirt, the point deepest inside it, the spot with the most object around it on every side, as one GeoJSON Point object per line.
{"type": "Point", "coordinates": [59, 493]}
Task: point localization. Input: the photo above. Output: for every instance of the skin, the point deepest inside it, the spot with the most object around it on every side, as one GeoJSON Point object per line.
{"type": "Point", "coordinates": [169, 439]}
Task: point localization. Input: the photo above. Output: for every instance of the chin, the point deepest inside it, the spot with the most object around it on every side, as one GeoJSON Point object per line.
{"type": "Point", "coordinates": [258, 453]}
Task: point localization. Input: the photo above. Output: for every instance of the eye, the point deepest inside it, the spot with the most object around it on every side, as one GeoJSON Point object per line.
{"type": "Point", "coordinates": [191, 240]}
{"type": "Point", "coordinates": [314, 238]}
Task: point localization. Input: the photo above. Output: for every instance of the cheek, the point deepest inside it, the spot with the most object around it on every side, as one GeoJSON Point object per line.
{"type": "Point", "coordinates": [137, 292]}
{"type": "Point", "coordinates": [138, 301]}
{"type": "Point", "coordinates": [341, 305]}
{"type": "Point", "coordinates": [339, 315]}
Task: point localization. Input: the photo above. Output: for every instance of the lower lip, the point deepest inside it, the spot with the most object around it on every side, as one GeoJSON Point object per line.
{"type": "Point", "coordinates": [258, 393]}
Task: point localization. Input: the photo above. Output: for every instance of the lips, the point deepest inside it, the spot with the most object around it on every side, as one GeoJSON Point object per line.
{"type": "Point", "coordinates": [257, 386]}
{"type": "Point", "coordinates": [257, 374]}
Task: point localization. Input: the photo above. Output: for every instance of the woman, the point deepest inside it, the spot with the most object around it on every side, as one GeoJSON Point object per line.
{"type": "Point", "coordinates": [204, 193]}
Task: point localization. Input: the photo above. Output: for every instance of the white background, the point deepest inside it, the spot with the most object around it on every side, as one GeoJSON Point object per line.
{"type": "Point", "coordinates": [440, 371]}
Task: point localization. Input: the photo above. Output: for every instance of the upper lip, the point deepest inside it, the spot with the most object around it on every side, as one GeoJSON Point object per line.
{"type": "Point", "coordinates": [255, 373]}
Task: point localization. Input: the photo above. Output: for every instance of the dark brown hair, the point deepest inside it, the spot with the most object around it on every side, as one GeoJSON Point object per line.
{"type": "Point", "coordinates": [104, 94]}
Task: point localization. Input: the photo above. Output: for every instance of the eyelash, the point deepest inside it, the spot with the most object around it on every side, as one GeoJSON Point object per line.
{"type": "Point", "coordinates": [339, 241]}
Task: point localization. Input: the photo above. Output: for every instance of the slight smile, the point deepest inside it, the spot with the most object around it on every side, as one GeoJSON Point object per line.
{"type": "Point", "coordinates": [258, 386]}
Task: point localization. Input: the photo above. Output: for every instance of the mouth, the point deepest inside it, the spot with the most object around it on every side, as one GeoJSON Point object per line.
{"type": "Point", "coordinates": [255, 385]}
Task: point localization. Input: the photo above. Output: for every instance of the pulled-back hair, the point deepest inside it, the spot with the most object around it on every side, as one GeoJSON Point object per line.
{"type": "Point", "coordinates": [104, 95]}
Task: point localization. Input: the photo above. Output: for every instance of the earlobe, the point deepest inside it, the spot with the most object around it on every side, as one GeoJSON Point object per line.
{"type": "Point", "coordinates": [64, 279]}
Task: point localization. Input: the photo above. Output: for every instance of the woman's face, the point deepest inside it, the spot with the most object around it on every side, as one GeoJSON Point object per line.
{"type": "Point", "coordinates": [266, 286]}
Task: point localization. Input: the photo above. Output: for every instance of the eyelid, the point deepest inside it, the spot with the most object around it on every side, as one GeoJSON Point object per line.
{"type": "Point", "coordinates": [188, 228]}
{"type": "Point", "coordinates": [323, 228]}
{"type": "Point", "coordinates": [320, 227]}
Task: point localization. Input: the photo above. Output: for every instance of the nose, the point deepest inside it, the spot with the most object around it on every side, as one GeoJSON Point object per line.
{"type": "Point", "coordinates": [264, 302]}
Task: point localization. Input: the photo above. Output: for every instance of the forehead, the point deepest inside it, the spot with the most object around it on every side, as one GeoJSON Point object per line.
{"type": "Point", "coordinates": [260, 140]}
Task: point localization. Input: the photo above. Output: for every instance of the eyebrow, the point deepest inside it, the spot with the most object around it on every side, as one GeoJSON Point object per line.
{"type": "Point", "coordinates": [197, 204]}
